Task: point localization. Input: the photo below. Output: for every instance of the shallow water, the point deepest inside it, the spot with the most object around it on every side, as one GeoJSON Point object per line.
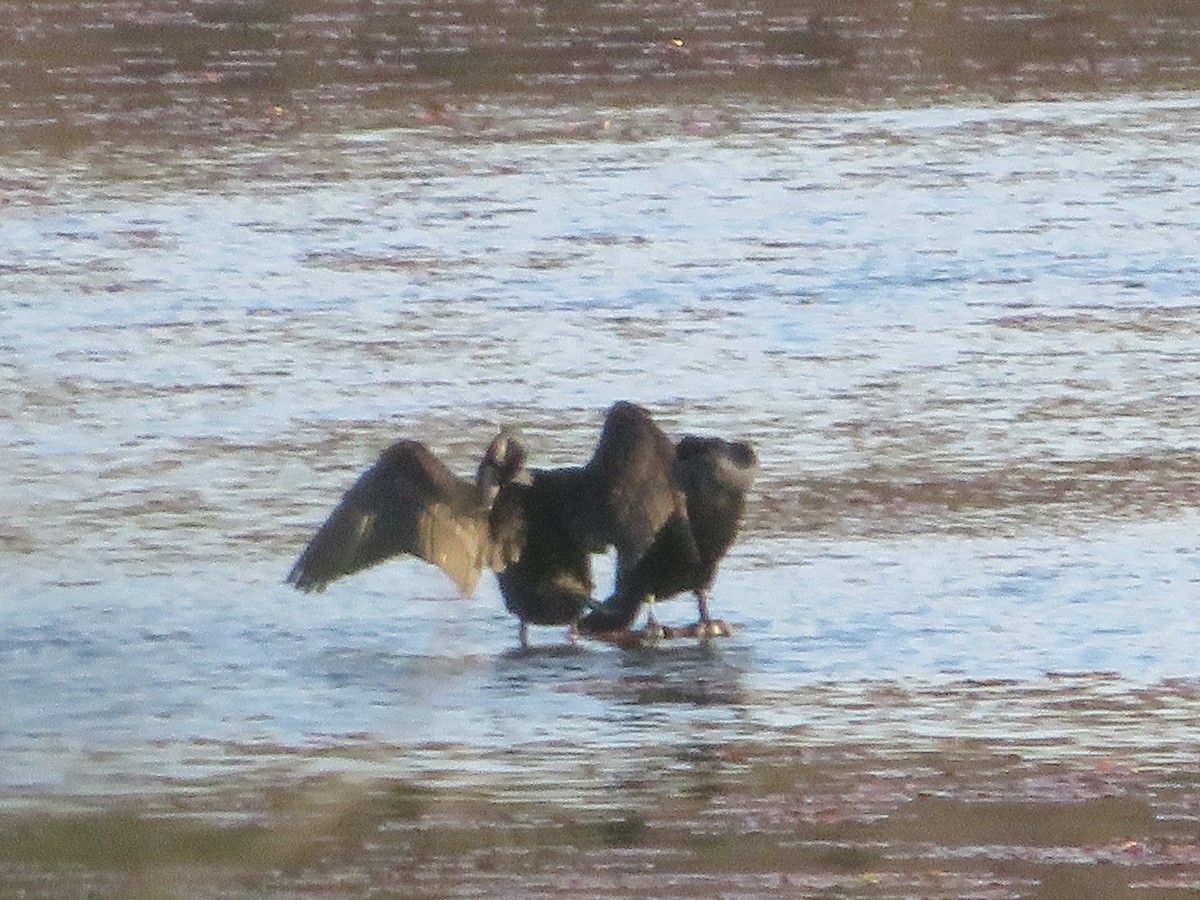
{"type": "Point", "coordinates": [963, 340]}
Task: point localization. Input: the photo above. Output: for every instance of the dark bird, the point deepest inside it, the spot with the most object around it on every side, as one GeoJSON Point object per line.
{"type": "Point", "coordinates": [537, 529]}
{"type": "Point", "coordinates": [715, 475]}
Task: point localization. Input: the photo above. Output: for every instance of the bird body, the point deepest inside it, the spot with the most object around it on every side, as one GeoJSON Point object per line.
{"type": "Point", "coordinates": [550, 583]}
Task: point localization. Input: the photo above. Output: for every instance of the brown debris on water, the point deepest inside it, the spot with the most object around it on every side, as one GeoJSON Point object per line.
{"type": "Point", "coordinates": [77, 73]}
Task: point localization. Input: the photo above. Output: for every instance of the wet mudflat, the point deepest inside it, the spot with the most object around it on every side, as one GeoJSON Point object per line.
{"type": "Point", "coordinates": [960, 332]}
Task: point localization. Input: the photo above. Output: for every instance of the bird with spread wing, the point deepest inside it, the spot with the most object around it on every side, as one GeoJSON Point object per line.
{"type": "Point", "coordinates": [536, 528]}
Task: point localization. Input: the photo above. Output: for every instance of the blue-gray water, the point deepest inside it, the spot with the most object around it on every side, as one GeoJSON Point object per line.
{"type": "Point", "coordinates": [963, 340]}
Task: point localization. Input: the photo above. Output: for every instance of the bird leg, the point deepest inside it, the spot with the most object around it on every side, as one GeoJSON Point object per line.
{"type": "Point", "coordinates": [708, 627]}
{"type": "Point", "coordinates": [523, 635]}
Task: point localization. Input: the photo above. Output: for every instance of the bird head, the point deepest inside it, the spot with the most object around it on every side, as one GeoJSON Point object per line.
{"type": "Point", "coordinates": [503, 462]}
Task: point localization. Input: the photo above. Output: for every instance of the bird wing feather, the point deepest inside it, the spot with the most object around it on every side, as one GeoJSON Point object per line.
{"type": "Point", "coordinates": [633, 463]}
{"type": "Point", "coordinates": [408, 502]}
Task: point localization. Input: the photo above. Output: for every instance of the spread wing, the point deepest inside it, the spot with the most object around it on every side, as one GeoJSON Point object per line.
{"type": "Point", "coordinates": [408, 502]}
{"type": "Point", "coordinates": [632, 468]}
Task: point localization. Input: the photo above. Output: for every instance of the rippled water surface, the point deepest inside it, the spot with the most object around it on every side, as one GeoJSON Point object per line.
{"type": "Point", "coordinates": [963, 339]}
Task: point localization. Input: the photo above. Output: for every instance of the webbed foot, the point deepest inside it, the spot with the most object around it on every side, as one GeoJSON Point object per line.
{"type": "Point", "coordinates": [711, 628]}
